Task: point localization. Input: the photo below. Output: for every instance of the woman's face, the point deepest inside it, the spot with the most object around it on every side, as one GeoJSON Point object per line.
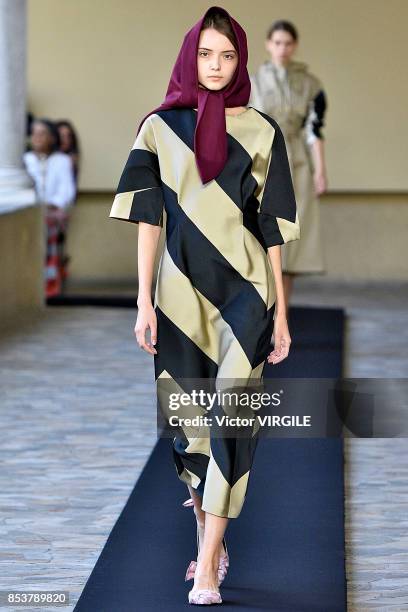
{"type": "Point", "coordinates": [216, 57]}
{"type": "Point", "coordinates": [41, 139]}
{"type": "Point", "coordinates": [65, 137]}
{"type": "Point", "coordinates": [281, 46]}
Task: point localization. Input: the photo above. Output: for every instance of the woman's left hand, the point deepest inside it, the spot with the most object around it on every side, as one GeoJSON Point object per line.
{"type": "Point", "coordinates": [282, 340]}
{"type": "Point", "coordinates": [56, 211]}
{"type": "Point", "coordinates": [320, 182]}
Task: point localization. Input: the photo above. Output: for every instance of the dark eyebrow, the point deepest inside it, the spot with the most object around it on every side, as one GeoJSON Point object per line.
{"type": "Point", "coordinates": [227, 51]}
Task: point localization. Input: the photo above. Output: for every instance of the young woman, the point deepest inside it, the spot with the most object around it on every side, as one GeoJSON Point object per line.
{"type": "Point", "coordinates": [220, 172]}
{"type": "Point", "coordinates": [287, 90]}
{"type": "Point", "coordinates": [69, 144]}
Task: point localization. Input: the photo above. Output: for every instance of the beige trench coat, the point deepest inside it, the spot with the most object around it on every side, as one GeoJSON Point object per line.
{"type": "Point", "coordinates": [289, 96]}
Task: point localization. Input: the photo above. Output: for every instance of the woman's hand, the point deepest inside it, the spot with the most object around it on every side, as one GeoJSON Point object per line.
{"type": "Point", "coordinates": [56, 212]}
{"type": "Point", "coordinates": [320, 182]}
{"type": "Point", "coordinates": [146, 318]}
{"type": "Point", "coordinates": [282, 340]}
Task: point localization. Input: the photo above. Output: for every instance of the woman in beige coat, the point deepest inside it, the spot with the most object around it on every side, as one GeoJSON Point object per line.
{"type": "Point", "coordinates": [285, 89]}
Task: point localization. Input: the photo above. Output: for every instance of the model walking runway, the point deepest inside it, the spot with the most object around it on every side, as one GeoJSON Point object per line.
{"type": "Point", "coordinates": [215, 293]}
{"type": "Point", "coordinates": [220, 171]}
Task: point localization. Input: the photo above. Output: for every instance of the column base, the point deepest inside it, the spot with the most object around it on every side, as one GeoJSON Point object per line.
{"type": "Point", "coordinates": [13, 199]}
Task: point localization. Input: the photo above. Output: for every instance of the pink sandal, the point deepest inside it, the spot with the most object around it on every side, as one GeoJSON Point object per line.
{"type": "Point", "coordinates": [204, 596]}
{"type": "Point", "coordinates": [224, 558]}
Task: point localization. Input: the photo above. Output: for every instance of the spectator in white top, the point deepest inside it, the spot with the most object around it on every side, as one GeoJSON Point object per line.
{"type": "Point", "coordinates": [50, 169]}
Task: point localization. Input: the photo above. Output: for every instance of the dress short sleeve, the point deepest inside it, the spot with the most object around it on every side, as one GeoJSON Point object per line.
{"type": "Point", "coordinates": [317, 106]}
{"type": "Point", "coordinates": [278, 216]}
{"type": "Point", "coordinates": [139, 195]}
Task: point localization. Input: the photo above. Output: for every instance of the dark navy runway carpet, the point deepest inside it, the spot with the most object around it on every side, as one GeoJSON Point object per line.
{"type": "Point", "coordinates": [286, 547]}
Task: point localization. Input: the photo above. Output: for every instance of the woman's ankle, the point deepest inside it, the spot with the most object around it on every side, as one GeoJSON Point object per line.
{"type": "Point", "coordinates": [207, 572]}
{"type": "Point", "coordinates": [209, 563]}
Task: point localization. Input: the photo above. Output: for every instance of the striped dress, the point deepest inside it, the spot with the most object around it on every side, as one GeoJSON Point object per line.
{"type": "Point", "coordinates": [215, 291]}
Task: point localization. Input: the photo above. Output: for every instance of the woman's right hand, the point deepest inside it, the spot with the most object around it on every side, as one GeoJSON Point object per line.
{"type": "Point", "coordinates": [146, 318]}
{"type": "Point", "coordinates": [282, 340]}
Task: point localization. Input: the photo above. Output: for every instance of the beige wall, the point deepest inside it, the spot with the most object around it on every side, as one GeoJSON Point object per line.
{"type": "Point", "coordinates": [102, 249]}
{"type": "Point", "coordinates": [106, 63]}
{"type": "Point", "coordinates": [364, 238]}
{"type": "Point", "coordinates": [21, 256]}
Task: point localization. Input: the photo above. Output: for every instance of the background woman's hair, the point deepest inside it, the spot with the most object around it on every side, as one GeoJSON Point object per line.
{"type": "Point", "coordinates": [217, 20]}
{"type": "Point", "coordinates": [74, 138]}
{"type": "Point", "coordinates": [286, 26]}
{"type": "Point", "coordinates": [52, 130]}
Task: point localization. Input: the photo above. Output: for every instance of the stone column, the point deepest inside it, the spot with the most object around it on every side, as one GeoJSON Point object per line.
{"type": "Point", "coordinates": [16, 187]}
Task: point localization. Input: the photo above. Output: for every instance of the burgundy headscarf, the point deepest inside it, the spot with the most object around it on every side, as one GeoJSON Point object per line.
{"type": "Point", "coordinates": [210, 137]}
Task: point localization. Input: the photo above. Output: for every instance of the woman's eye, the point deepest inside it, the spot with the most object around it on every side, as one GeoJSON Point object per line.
{"type": "Point", "coordinates": [205, 54]}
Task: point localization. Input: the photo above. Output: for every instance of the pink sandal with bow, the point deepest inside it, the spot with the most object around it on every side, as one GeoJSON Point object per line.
{"type": "Point", "coordinates": [224, 558]}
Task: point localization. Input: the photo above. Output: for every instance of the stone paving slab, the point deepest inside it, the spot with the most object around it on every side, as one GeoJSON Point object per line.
{"type": "Point", "coordinates": [78, 420]}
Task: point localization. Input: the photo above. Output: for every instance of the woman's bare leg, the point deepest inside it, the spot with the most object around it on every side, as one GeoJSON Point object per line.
{"type": "Point", "coordinates": [200, 517]}
{"type": "Point", "coordinates": [211, 530]}
{"type": "Point", "coordinates": [206, 574]}
{"type": "Point", "coordinates": [199, 514]}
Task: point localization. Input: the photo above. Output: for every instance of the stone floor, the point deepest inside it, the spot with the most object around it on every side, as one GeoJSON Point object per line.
{"type": "Point", "coordinates": [77, 397]}
{"type": "Point", "coordinates": [376, 470]}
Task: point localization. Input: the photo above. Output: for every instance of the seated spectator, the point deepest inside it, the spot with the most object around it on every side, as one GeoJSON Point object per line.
{"type": "Point", "coordinates": [53, 176]}
{"type": "Point", "coordinates": [69, 144]}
